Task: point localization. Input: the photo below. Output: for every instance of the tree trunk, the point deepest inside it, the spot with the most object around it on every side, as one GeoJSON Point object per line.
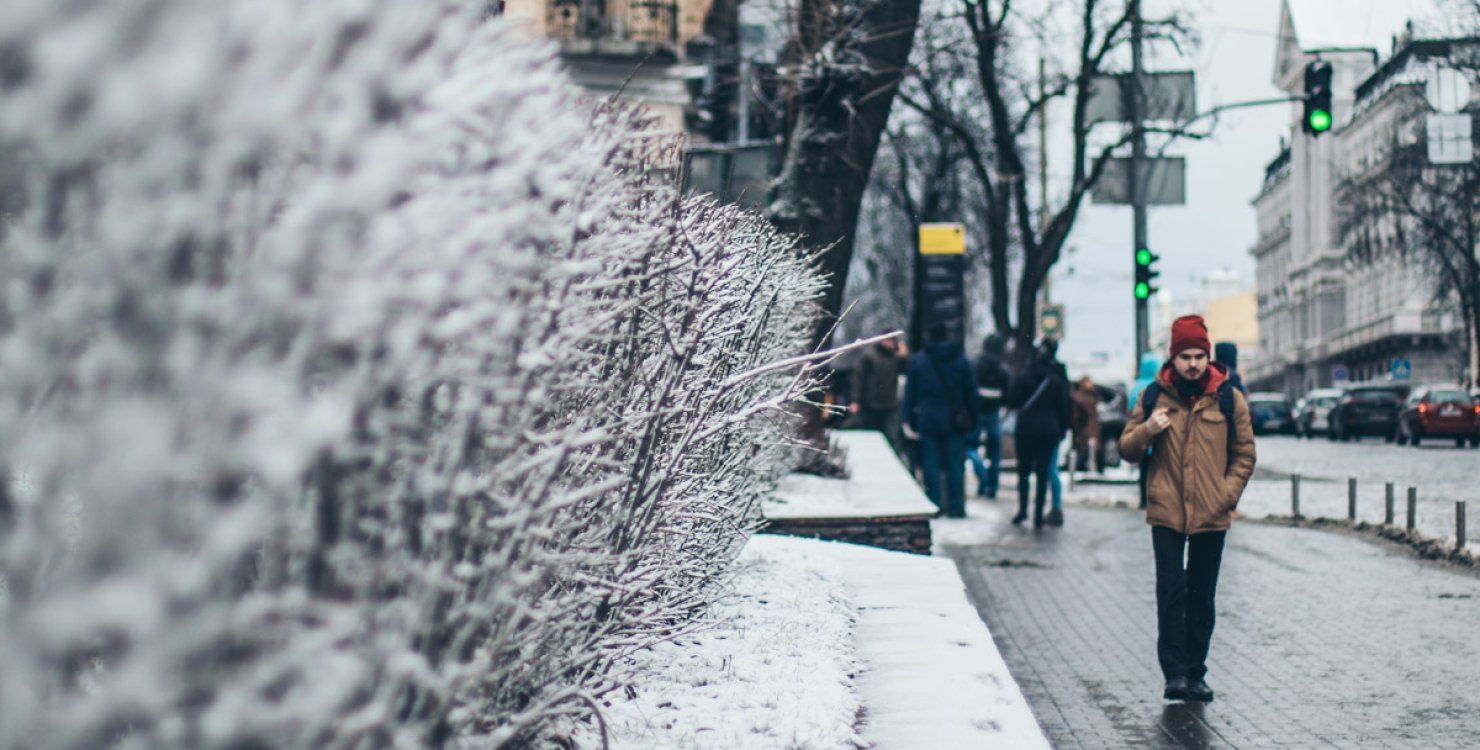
{"type": "Point", "coordinates": [841, 109]}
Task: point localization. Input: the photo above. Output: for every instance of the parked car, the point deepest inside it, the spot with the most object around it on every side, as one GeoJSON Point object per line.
{"type": "Point", "coordinates": [1369, 409]}
{"type": "Point", "coordinates": [1271, 413]}
{"type": "Point", "coordinates": [1313, 414]}
{"type": "Point", "coordinates": [1439, 411]}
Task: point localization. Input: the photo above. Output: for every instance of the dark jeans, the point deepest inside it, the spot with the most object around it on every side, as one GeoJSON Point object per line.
{"type": "Point", "coordinates": [945, 453]}
{"type": "Point", "coordinates": [1034, 458]}
{"type": "Point", "coordinates": [988, 472]}
{"type": "Point", "coordinates": [1184, 599]}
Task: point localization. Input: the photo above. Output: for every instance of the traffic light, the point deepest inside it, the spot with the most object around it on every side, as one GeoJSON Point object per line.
{"type": "Point", "coordinates": [1146, 273]}
{"type": "Point", "coordinates": [1317, 98]}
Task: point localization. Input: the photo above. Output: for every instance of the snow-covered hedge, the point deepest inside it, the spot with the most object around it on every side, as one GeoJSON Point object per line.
{"type": "Point", "coordinates": [363, 386]}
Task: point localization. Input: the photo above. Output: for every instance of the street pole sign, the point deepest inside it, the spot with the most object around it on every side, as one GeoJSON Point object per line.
{"type": "Point", "coordinates": [1167, 95]}
{"type": "Point", "coordinates": [1051, 322]}
{"type": "Point", "coordinates": [1163, 182]}
{"type": "Point", "coordinates": [940, 293]}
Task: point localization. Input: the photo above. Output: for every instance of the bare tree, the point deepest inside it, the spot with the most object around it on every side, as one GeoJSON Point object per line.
{"type": "Point", "coordinates": [999, 154]}
{"type": "Point", "coordinates": [1403, 209]}
{"type": "Point", "coordinates": [847, 59]}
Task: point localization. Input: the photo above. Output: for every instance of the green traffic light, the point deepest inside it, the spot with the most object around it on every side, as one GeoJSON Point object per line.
{"type": "Point", "coordinates": [1143, 290]}
{"type": "Point", "coordinates": [1320, 120]}
{"type": "Point", "coordinates": [1143, 257]}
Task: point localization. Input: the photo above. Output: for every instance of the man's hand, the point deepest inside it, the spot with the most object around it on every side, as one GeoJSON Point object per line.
{"type": "Point", "coordinates": [853, 408]}
{"type": "Point", "coordinates": [1159, 422]}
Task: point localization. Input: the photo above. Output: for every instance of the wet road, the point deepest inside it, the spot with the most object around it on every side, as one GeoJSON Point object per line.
{"type": "Point", "coordinates": [1323, 639]}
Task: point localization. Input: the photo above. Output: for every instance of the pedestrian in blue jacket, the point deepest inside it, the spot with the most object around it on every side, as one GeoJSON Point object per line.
{"type": "Point", "coordinates": [940, 405]}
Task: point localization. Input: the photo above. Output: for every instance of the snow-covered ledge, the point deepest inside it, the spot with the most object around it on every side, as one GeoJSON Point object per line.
{"type": "Point", "coordinates": [879, 504]}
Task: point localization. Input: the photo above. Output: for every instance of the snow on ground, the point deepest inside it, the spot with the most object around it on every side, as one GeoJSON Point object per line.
{"type": "Point", "coordinates": [878, 486]}
{"type": "Point", "coordinates": [827, 645]}
{"type": "Point", "coordinates": [775, 670]}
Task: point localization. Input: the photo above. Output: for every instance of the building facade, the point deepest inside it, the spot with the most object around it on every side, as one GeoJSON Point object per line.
{"type": "Point", "coordinates": [638, 48]}
{"type": "Point", "coordinates": [1324, 313]}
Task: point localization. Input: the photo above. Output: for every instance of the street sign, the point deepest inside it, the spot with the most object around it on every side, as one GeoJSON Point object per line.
{"type": "Point", "coordinates": [942, 239]}
{"type": "Point", "coordinates": [1402, 369]}
{"type": "Point", "coordinates": [1168, 95]}
{"type": "Point", "coordinates": [1165, 182]}
{"type": "Point", "coordinates": [940, 286]}
{"type": "Point", "coordinates": [1051, 321]}
{"type": "Point", "coordinates": [1340, 374]}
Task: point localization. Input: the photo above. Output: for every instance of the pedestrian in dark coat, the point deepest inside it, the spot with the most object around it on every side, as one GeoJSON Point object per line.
{"type": "Point", "coordinates": [876, 386]}
{"type": "Point", "coordinates": [940, 406]}
{"type": "Point", "coordinates": [992, 381]}
{"type": "Point", "coordinates": [1196, 469]}
{"type": "Point", "coordinates": [1041, 396]}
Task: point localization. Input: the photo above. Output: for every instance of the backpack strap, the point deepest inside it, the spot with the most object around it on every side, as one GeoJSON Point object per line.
{"type": "Point", "coordinates": [1225, 405]}
{"type": "Point", "coordinates": [1149, 396]}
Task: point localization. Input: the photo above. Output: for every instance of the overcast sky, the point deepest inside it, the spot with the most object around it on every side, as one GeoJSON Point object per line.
{"type": "Point", "coordinates": [1217, 226]}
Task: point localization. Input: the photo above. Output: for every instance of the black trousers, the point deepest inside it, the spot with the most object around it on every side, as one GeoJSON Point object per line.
{"type": "Point", "coordinates": [1034, 457]}
{"type": "Point", "coordinates": [1184, 599]}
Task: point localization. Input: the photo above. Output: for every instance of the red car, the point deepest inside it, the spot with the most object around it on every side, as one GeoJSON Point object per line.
{"type": "Point", "coordinates": [1439, 411]}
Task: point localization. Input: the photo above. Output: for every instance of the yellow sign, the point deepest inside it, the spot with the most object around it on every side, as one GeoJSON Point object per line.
{"type": "Point", "coordinates": [942, 239]}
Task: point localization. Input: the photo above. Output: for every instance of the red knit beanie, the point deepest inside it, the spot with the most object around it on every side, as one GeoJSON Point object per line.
{"type": "Point", "coordinates": [1190, 332]}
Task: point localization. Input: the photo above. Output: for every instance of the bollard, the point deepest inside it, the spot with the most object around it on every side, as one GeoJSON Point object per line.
{"type": "Point", "coordinates": [1351, 499]}
{"type": "Point", "coordinates": [1459, 524]}
{"type": "Point", "coordinates": [1387, 517]}
{"type": "Point", "coordinates": [1412, 506]}
{"type": "Point", "coordinates": [1295, 495]}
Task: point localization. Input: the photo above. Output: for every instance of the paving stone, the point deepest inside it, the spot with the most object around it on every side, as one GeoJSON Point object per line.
{"type": "Point", "coordinates": [1323, 640]}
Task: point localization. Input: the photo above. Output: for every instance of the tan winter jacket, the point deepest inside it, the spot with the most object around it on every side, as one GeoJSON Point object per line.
{"type": "Point", "coordinates": [1193, 480]}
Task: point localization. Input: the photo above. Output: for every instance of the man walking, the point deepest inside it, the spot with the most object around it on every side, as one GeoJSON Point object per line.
{"type": "Point", "coordinates": [877, 389]}
{"type": "Point", "coordinates": [992, 379]}
{"type": "Point", "coordinates": [1197, 445]}
{"type": "Point", "coordinates": [1041, 397]}
{"type": "Point", "coordinates": [940, 407]}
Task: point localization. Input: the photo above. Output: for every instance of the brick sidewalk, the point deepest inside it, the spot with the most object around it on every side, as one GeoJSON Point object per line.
{"type": "Point", "coordinates": [1323, 640]}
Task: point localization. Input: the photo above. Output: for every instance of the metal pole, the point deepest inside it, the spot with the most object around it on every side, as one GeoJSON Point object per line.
{"type": "Point", "coordinates": [1387, 516]}
{"type": "Point", "coordinates": [1138, 156]}
{"type": "Point", "coordinates": [1295, 495]}
{"type": "Point", "coordinates": [1412, 507]}
{"type": "Point", "coordinates": [743, 131]}
{"type": "Point", "coordinates": [1351, 499]}
{"type": "Point", "coordinates": [1043, 168]}
{"type": "Point", "coordinates": [1459, 524]}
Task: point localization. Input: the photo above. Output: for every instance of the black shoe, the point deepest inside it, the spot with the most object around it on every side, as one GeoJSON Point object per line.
{"type": "Point", "coordinates": [1176, 689]}
{"type": "Point", "coordinates": [1056, 517]}
{"type": "Point", "coordinates": [1019, 518]}
{"type": "Point", "coordinates": [1198, 690]}
{"type": "Point", "coordinates": [1037, 520]}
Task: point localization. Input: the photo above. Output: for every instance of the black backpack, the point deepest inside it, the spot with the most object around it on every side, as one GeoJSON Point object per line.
{"type": "Point", "coordinates": [1152, 392]}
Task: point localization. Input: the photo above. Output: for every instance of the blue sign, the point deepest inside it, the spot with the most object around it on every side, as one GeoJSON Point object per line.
{"type": "Point", "coordinates": [1402, 369]}
{"type": "Point", "coordinates": [1339, 373]}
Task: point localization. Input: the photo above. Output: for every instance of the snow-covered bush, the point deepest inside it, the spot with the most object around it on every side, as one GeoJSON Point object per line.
{"type": "Point", "coordinates": [363, 385]}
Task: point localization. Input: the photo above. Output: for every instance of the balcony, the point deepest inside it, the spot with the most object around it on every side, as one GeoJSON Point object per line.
{"type": "Point", "coordinates": [614, 28]}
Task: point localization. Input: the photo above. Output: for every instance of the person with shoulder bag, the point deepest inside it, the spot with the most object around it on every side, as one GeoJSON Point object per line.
{"type": "Point", "coordinates": [940, 406]}
{"type": "Point", "coordinates": [1193, 437]}
{"type": "Point", "coordinates": [1041, 397]}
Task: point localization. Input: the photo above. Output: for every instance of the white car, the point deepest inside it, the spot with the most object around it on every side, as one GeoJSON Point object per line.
{"type": "Point", "coordinates": [1313, 415]}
